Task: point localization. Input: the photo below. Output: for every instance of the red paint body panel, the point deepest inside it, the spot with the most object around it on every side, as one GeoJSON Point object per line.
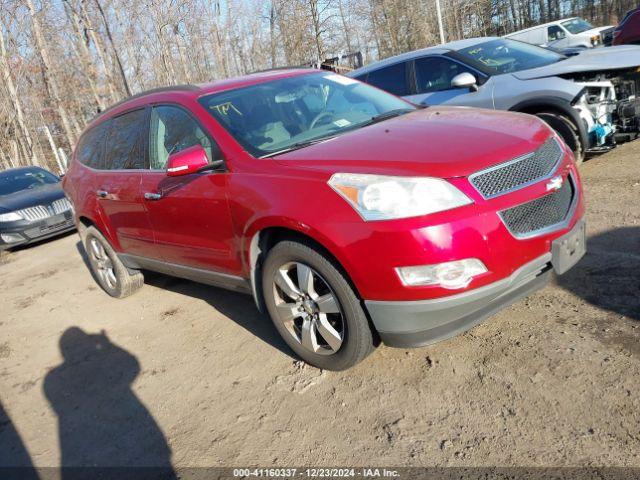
{"type": "Point", "coordinates": [208, 220]}
{"type": "Point", "coordinates": [629, 31]}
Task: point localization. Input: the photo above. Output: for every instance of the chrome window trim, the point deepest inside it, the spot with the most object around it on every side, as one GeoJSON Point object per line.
{"type": "Point", "coordinates": [551, 228]}
{"type": "Point", "coordinates": [516, 160]}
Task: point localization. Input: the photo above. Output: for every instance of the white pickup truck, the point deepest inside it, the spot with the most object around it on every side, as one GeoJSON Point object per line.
{"type": "Point", "coordinates": [563, 34]}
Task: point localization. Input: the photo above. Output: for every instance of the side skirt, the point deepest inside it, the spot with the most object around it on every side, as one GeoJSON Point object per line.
{"type": "Point", "coordinates": [208, 277]}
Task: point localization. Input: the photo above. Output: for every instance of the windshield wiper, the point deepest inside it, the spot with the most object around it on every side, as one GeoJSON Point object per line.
{"type": "Point", "coordinates": [298, 145]}
{"type": "Point", "coordinates": [386, 116]}
{"type": "Point", "coordinates": [375, 119]}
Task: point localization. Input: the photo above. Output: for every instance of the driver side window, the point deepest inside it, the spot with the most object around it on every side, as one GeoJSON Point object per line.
{"type": "Point", "coordinates": [173, 130]}
{"type": "Point", "coordinates": [434, 74]}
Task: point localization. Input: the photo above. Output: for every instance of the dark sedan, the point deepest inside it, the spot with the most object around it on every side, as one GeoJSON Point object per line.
{"type": "Point", "coordinates": [32, 206]}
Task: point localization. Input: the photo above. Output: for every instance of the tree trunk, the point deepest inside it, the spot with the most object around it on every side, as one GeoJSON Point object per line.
{"type": "Point", "coordinates": [50, 83]}
{"type": "Point", "coordinates": [7, 79]}
{"type": "Point", "coordinates": [125, 83]}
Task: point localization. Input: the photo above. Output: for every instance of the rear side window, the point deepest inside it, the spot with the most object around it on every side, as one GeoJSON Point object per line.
{"type": "Point", "coordinates": [174, 130]}
{"type": "Point", "coordinates": [90, 150]}
{"type": "Point", "coordinates": [393, 79]}
{"type": "Point", "coordinates": [124, 147]}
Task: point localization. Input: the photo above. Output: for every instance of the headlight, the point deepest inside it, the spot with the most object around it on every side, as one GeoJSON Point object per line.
{"type": "Point", "coordinates": [456, 274]}
{"type": "Point", "coordinates": [378, 197]}
{"type": "Point", "coordinates": [10, 217]}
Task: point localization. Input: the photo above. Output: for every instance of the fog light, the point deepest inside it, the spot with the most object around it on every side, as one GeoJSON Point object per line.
{"type": "Point", "coordinates": [11, 237]}
{"type": "Point", "coordinates": [456, 274]}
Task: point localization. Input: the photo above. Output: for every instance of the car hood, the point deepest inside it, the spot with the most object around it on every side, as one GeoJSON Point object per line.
{"type": "Point", "coordinates": [597, 30]}
{"type": "Point", "coordinates": [594, 59]}
{"type": "Point", "coordinates": [29, 198]}
{"type": "Point", "coordinates": [437, 141]}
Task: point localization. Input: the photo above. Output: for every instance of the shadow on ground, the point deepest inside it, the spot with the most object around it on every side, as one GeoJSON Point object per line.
{"type": "Point", "coordinates": [609, 275]}
{"type": "Point", "coordinates": [15, 461]}
{"type": "Point", "coordinates": [236, 306]}
{"type": "Point", "coordinates": [101, 421]}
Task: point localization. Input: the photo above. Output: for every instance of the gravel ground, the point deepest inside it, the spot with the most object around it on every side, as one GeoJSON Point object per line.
{"type": "Point", "coordinates": [189, 375]}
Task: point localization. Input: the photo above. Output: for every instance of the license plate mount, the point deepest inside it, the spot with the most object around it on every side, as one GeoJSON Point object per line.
{"type": "Point", "coordinates": [567, 250]}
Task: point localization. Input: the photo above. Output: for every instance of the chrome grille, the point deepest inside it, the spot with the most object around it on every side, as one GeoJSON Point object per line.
{"type": "Point", "coordinates": [34, 213]}
{"type": "Point", "coordinates": [518, 173]}
{"type": "Point", "coordinates": [60, 206]}
{"type": "Point", "coordinates": [541, 214]}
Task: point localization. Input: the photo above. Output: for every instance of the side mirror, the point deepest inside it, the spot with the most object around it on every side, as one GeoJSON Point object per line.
{"type": "Point", "coordinates": [465, 80]}
{"type": "Point", "coordinates": [189, 160]}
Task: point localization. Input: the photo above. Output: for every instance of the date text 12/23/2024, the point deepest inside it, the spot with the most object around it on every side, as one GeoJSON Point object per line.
{"type": "Point", "coordinates": [315, 472]}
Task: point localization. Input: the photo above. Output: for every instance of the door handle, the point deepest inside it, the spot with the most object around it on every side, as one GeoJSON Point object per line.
{"type": "Point", "coordinates": [152, 196]}
{"type": "Point", "coordinates": [102, 193]}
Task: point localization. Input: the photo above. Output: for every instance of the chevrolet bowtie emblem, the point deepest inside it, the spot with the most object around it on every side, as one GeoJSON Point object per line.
{"type": "Point", "coordinates": [555, 183]}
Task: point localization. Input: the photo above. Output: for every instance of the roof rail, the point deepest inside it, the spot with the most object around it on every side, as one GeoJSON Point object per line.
{"type": "Point", "coordinates": [292, 67]}
{"type": "Point", "coordinates": [172, 88]}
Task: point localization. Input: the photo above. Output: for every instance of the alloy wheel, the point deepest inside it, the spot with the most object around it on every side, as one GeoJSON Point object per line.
{"type": "Point", "coordinates": [308, 308]}
{"type": "Point", "coordinates": [104, 266]}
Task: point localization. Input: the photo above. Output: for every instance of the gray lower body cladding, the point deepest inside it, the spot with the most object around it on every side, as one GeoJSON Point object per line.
{"type": "Point", "coordinates": [420, 323]}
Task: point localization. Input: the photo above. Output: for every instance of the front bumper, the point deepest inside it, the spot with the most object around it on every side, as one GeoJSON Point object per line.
{"type": "Point", "coordinates": [28, 232]}
{"type": "Point", "coordinates": [419, 323]}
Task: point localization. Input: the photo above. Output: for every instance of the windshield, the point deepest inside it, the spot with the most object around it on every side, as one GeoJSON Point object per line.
{"type": "Point", "coordinates": [507, 56]}
{"type": "Point", "coordinates": [577, 25]}
{"type": "Point", "coordinates": [15, 181]}
{"type": "Point", "coordinates": [289, 113]}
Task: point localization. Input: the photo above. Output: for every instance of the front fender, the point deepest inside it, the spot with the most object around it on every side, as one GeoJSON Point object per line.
{"type": "Point", "coordinates": [560, 105]}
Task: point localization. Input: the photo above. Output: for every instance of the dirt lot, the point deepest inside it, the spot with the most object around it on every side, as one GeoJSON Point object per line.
{"type": "Point", "coordinates": [192, 375]}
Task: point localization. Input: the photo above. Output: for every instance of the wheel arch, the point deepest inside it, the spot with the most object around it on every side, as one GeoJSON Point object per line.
{"type": "Point", "coordinates": [84, 221]}
{"type": "Point", "coordinates": [262, 239]}
{"type": "Point", "coordinates": [555, 105]}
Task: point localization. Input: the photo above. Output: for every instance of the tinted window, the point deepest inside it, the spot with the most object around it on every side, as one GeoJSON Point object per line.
{"type": "Point", "coordinates": [13, 181]}
{"type": "Point", "coordinates": [90, 149]}
{"type": "Point", "coordinates": [173, 130]}
{"type": "Point", "coordinates": [124, 150]}
{"type": "Point", "coordinates": [556, 33]}
{"type": "Point", "coordinates": [393, 79]}
{"type": "Point", "coordinates": [435, 73]}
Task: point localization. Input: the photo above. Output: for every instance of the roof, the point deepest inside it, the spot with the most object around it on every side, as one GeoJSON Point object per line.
{"type": "Point", "coordinates": [435, 50]}
{"type": "Point", "coordinates": [196, 91]}
{"type": "Point", "coordinates": [22, 169]}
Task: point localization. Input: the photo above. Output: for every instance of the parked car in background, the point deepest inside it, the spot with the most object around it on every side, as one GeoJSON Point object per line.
{"type": "Point", "coordinates": [628, 31]}
{"type": "Point", "coordinates": [349, 213]}
{"type": "Point", "coordinates": [568, 33]}
{"type": "Point", "coordinates": [589, 99]}
{"type": "Point", "coordinates": [32, 206]}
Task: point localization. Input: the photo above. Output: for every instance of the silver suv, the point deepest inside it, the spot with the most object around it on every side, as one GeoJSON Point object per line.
{"type": "Point", "coordinates": [591, 100]}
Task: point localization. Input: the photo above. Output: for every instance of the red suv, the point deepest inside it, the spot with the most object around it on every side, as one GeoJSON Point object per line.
{"type": "Point", "coordinates": [350, 215]}
{"type": "Point", "coordinates": [628, 31]}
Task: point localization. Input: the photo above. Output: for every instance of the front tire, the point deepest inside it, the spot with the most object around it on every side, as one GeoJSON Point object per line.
{"type": "Point", "coordinates": [107, 269]}
{"type": "Point", "coordinates": [314, 308]}
{"type": "Point", "coordinates": [567, 130]}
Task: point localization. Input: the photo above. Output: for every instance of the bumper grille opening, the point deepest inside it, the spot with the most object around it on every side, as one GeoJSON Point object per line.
{"type": "Point", "coordinates": [543, 213]}
{"type": "Point", "coordinates": [518, 173]}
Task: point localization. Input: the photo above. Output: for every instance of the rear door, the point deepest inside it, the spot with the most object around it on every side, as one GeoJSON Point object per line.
{"type": "Point", "coordinates": [189, 214]}
{"type": "Point", "coordinates": [393, 79]}
{"type": "Point", "coordinates": [118, 182]}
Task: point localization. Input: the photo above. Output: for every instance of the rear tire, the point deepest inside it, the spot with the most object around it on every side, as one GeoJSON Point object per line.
{"type": "Point", "coordinates": [567, 130]}
{"type": "Point", "coordinates": [107, 269]}
{"type": "Point", "coordinates": [314, 308]}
